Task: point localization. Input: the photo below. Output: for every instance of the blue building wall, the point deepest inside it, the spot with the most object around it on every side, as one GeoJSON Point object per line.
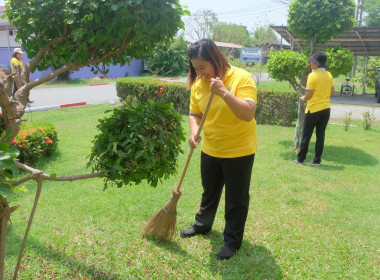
{"type": "Point", "coordinates": [134, 69]}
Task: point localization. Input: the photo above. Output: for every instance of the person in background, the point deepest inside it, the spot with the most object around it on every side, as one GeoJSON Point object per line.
{"type": "Point", "coordinates": [17, 60]}
{"type": "Point", "coordinates": [229, 145]}
{"type": "Point", "coordinates": [319, 88]}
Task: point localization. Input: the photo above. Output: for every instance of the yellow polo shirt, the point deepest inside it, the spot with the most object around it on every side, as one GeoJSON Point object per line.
{"type": "Point", "coordinates": [226, 136]}
{"type": "Point", "coordinates": [15, 61]}
{"type": "Point", "coordinates": [321, 82]}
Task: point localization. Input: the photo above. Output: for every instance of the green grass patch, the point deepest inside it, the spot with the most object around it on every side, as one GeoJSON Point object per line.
{"type": "Point", "coordinates": [304, 222]}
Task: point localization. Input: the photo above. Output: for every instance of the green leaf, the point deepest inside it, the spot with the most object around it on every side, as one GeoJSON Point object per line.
{"type": "Point", "coordinates": [20, 189]}
{"type": "Point", "coordinates": [4, 147]}
{"type": "Point", "coordinates": [5, 189]}
{"type": "Point", "coordinates": [139, 154]}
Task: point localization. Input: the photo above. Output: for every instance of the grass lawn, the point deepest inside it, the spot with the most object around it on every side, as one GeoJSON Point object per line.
{"type": "Point", "coordinates": [304, 222]}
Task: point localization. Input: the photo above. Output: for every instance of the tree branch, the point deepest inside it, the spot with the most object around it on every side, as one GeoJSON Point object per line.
{"type": "Point", "coordinates": [51, 76]}
{"type": "Point", "coordinates": [42, 52]}
{"type": "Point", "coordinates": [36, 173]}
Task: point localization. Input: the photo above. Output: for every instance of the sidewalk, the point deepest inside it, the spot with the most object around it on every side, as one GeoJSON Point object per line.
{"type": "Point", "coordinates": [357, 104]}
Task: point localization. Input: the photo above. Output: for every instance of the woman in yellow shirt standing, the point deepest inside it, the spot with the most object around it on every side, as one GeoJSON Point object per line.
{"type": "Point", "coordinates": [17, 60]}
{"type": "Point", "coordinates": [319, 88]}
{"type": "Point", "coordinates": [229, 145]}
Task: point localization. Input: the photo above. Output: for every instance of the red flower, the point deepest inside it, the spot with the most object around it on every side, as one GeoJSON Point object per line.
{"type": "Point", "coordinates": [20, 146]}
{"type": "Point", "coordinates": [46, 138]}
{"type": "Point", "coordinates": [14, 141]}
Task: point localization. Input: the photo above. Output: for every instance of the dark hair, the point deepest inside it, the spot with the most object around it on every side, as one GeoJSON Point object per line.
{"type": "Point", "coordinates": [207, 50]}
{"type": "Point", "coordinates": [15, 55]}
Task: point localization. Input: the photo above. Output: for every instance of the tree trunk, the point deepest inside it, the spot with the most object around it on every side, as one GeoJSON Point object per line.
{"type": "Point", "coordinates": [5, 216]}
{"type": "Point", "coordinates": [301, 116]}
{"type": "Point", "coordinates": [3, 234]}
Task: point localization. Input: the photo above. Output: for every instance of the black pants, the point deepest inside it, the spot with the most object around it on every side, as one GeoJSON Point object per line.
{"type": "Point", "coordinates": [318, 120]}
{"type": "Point", "coordinates": [235, 174]}
{"type": "Point", "coordinates": [14, 89]}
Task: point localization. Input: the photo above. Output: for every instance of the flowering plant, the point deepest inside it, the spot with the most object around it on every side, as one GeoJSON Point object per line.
{"type": "Point", "coordinates": [36, 141]}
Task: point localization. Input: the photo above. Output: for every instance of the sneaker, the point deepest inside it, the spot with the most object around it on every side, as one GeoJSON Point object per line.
{"type": "Point", "coordinates": [313, 163]}
{"type": "Point", "coordinates": [225, 253]}
{"type": "Point", "coordinates": [189, 232]}
{"type": "Point", "coordinates": [298, 162]}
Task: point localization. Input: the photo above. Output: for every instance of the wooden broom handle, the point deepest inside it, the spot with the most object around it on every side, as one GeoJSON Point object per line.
{"type": "Point", "coordinates": [196, 136]}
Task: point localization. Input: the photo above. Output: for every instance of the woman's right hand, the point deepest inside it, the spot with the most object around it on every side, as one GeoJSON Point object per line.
{"type": "Point", "coordinates": [193, 142]}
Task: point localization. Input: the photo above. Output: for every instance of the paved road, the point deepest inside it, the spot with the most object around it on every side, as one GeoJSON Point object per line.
{"type": "Point", "coordinates": [107, 93]}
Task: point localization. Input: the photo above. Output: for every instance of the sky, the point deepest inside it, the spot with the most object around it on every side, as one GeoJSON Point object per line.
{"type": "Point", "coordinates": [245, 12]}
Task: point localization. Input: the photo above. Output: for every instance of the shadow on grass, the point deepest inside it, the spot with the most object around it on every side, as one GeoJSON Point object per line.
{"type": "Point", "coordinates": [56, 256]}
{"type": "Point", "coordinates": [168, 245]}
{"type": "Point", "coordinates": [250, 262]}
{"type": "Point", "coordinates": [345, 155]}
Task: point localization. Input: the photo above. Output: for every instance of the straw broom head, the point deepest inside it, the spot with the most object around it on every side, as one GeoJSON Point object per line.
{"type": "Point", "coordinates": [163, 224]}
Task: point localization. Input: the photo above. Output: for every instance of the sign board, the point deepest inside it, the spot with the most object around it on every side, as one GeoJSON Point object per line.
{"type": "Point", "coordinates": [251, 55]}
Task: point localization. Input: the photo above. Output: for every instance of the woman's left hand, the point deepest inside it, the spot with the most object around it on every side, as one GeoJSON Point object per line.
{"type": "Point", "coordinates": [217, 86]}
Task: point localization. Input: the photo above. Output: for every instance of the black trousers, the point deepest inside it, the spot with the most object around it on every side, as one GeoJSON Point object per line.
{"type": "Point", "coordinates": [318, 120]}
{"type": "Point", "coordinates": [235, 174]}
{"type": "Point", "coordinates": [14, 89]}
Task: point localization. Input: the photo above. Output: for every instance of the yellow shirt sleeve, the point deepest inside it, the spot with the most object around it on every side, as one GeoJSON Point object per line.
{"type": "Point", "coordinates": [194, 106]}
{"type": "Point", "coordinates": [247, 89]}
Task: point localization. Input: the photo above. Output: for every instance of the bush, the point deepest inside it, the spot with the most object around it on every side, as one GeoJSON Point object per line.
{"type": "Point", "coordinates": [138, 142]}
{"type": "Point", "coordinates": [36, 141]}
{"type": "Point", "coordinates": [166, 92]}
{"type": "Point", "coordinates": [276, 107]}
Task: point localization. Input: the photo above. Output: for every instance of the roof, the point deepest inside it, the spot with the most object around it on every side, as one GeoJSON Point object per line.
{"type": "Point", "coordinates": [361, 41]}
{"type": "Point", "coordinates": [219, 44]}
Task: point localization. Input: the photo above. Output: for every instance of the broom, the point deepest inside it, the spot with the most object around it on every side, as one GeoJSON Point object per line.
{"type": "Point", "coordinates": [163, 224]}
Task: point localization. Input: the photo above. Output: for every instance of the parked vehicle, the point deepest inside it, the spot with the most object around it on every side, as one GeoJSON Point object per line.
{"type": "Point", "coordinates": [377, 85]}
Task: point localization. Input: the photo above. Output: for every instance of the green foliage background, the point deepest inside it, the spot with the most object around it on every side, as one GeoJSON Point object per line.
{"type": "Point", "coordinates": [169, 59]}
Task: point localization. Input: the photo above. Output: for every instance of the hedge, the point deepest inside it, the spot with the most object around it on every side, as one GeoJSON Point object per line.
{"type": "Point", "coordinates": [275, 107]}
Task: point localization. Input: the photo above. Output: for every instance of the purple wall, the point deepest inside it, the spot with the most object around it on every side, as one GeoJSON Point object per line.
{"type": "Point", "coordinates": [134, 69]}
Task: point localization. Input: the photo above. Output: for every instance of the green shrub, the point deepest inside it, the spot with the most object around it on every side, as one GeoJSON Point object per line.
{"type": "Point", "coordinates": [138, 142]}
{"type": "Point", "coordinates": [36, 141]}
{"type": "Point", "coordinates": [276, 107]}
{"type": "Point", "coordinates": [155, 90]}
